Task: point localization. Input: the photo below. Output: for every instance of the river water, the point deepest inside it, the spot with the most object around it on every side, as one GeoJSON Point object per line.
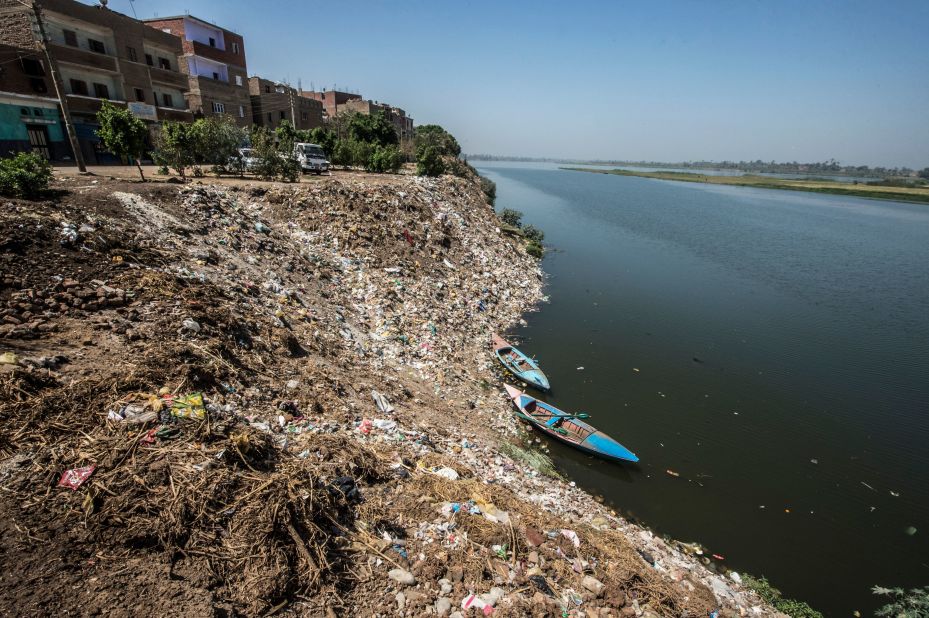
{"type": "Point", "coordinates": [769, 347]}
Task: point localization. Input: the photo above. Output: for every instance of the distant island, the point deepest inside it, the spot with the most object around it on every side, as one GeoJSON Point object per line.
{"type": "Point", "coordinates": [909, 190]}
{"type": "Point", "coordinates": [824, 168]}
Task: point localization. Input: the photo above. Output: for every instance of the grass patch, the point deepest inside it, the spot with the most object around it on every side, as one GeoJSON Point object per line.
{"type": "Point", "coordinates": [532, 458]}
{"type": "Point", "coordinates": [773, 596]}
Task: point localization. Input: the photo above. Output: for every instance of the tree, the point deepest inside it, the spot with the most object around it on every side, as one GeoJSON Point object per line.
{"type": "Point", "coordinates": [217, 140]}
{"type": "Point", "coordinates": [177, 146]}
{"type": "Point", "coordinates": [323, 138]}
{"type": "Point", "coordinates": [429, 162]}
{"type": "Point", "coordinates": [437, 137]}
{"type": "Point", "coordinates": [923, 173]}
{"type": "Point", "coordinates": [372, 128]}
{"type": "Point", "coordinates": [122, 133]}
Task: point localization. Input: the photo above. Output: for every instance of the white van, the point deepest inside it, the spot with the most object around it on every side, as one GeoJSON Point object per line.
{"type": "Point", "coordinates": [311, 158]}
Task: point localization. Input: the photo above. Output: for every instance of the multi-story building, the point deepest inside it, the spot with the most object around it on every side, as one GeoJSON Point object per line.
{"type": "Point", "coordinates": [332, 100]}
{"type": "Point", "coordinates": [273, 102]}
{"type": "Point", "coordinates": [214, 62]}
{"type": "Point", "coordinates": [402, 123]}
{"type": "Point", "coordinates": [101, 55]}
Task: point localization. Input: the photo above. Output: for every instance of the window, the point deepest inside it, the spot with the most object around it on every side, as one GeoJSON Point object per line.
{"type": "Point", "coordinates": [79, 86]}
{"type": "Point", "coordinates": [215, 75]}
{"type": "Point", "coordinates": [235, 47]}
{"type": "Point", "coordinates": [212, 42]}
{"type": "Point", "coordinates": [32, 67]}
{"type": "Point", "coordinates": [218, 108]}
{"type": "Point", "coordinates": [303, 116]}
{"type": "Point", "coordinates": [37, 112]}
{"type": "Point", "coordinates": [24, 111]}
{"type": "Point", "coordinates": [149, 60]}
{"type": "Point", "coordinates": [164, 63]}
{"type": "Point", "coordinates": [241, 111]}
{"type": "Point", "coordinates": [167, 99]}
{"type": "Point", "coordinates": [96, 46]}
{"type": "Point", "coordinates": [101, 91]}
{"type": "Point", "coordinates": [270, 118]}
{"type": "Point", "coordinates": [70, 38]}
{"type": "Point", "coordinates": [140, 95]}
{"type": "Point", "coordinates": [238, 80]}
{"type": "Point", "coordinates": [130, 53]}
{"type": "Point", "coordinates": [283, 115]}
{"type": "Point", "coordinates": [38, 85]}
{"type": "Point", "coordinates": [267, 89]}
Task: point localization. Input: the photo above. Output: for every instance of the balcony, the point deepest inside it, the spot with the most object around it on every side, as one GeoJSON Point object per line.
{"type": "Point", "coordinates": [219, 55]}
{"type": "Point", "coordinates": [169, 78]}
{"type": "Point", "coordinates": [74, 55]}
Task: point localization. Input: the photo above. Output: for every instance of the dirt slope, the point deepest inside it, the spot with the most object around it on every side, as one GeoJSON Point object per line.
{"type": "Point", "coordinates": [346, 460]}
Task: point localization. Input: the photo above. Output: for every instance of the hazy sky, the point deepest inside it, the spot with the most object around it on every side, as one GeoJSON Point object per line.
{"type": "Point", "coordinates": [804, 81]}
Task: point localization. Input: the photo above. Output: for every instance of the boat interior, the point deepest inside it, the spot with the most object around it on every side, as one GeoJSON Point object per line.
{"type": "Point", "coordinates": [564, 425]}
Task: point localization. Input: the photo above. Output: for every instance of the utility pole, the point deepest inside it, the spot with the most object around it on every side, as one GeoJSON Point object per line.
{"type": "Point", "coordinates": [62, 97]}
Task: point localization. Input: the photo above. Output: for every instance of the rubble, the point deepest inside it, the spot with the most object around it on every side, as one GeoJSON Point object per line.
{"type": "Point", "coordinates": [283, 396]}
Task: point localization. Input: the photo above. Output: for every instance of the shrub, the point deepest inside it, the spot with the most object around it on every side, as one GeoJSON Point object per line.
{"type": "Point", "coordinates": [457, 167]}
{"type": "Point", "coordinates": [429, 162]}
{"type": "Point", "coordinates": [771, 595]}
{"type": "Point", "coordinates": [534, 234]}
{"type": "Point", "coordinates": [122, 133]}
{"type": "Point", "coordinates": [385, 159]}
{"type": "Point", "coordinates": [342, 153]}
{"type": "Point", "coordinates": [511, 217]}
{"type": "Point", "coordinates": [489, 187]}
{"type": "Point", "coordinates": [361, 153]}
{"type": "Point", "coordinates": [25, 175]}
{"type": "Point", "coordinates": [535, 249]}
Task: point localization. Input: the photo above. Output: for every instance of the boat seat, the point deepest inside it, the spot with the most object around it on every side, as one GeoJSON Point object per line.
{"type": "Point", "coordinates": [554, 421]}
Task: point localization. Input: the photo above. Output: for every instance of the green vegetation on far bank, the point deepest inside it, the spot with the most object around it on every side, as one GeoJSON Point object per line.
{"type": "Point", "coordinates": [875, 191]}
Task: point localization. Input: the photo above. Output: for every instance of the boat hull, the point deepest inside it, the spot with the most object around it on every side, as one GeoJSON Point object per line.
{"type": "Point", "coordinates": [595, 443]}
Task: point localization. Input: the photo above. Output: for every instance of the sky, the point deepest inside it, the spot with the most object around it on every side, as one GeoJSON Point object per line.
{"type": "Point", "coordinates": [662, 81]}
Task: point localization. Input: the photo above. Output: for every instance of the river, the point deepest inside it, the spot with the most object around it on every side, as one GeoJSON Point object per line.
{"type": "Point", "coordinates": [769, 347]}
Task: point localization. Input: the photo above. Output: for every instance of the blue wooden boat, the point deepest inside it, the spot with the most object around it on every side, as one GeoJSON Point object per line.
{"type": "Point", "coordinates": [519, 364]}
{"type": "Point", "coordinates": [568, 428]}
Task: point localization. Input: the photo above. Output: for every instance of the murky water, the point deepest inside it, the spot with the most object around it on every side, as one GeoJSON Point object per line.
{"type": "Point", "coordinates": [771, 348]}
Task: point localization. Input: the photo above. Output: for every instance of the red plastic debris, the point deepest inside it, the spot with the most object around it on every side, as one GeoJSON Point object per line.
{"type": "Point", "coordinates": [718, 557]}
{"type": "Point", "coordinates": [76, 477]}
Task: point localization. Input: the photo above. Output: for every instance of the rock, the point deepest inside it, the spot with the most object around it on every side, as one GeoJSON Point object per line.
{"type": "Point", "coordinates": [443, 606]}
{"type": "Point", "coordinates": [592, 584]}
{"type": "Point", "coordinates": [534, 537]}
{"type": "Point", "coordinates": [445, 586]}
{"type": "Point", "coordinates": [627, 611]}
{"type": "Point", "coordinates": [402, 576]}
{"type": "Point", "coordinates": [401, 601]}
{"type": "Point", "coordinates": [190, 325]}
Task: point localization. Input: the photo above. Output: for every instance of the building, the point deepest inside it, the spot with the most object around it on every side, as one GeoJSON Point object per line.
{"type": "Point", "coordinates": [332, 100]}
{"type": "Point", "coordinates": [214, 62]}
{"type": "Point", "coordinates": [402, 123]}
{"type": "Point", "coordinates": [100, 54]}
{"type": "Point", "coordinates": [273, 102]}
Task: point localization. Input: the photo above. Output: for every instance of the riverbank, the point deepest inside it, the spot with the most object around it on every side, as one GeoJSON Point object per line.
{"type": "Point", "coordinates": [350, 455]}
{"type": "Point", "coordinates": [906, 194]}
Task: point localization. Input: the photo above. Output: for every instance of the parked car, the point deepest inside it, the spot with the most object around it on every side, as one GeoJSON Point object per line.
{"type": "Point", "coordinates": [311, 158]}
{"type": "Point", "coordinates": [248, 159]}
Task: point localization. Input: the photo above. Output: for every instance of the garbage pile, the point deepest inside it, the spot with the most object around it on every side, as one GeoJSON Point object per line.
{"type": "Point", "coordinates": [252, 399]}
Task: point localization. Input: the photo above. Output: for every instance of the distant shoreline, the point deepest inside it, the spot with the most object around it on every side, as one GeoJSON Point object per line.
{"type": "Point", "coordinates": [906, 194]}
